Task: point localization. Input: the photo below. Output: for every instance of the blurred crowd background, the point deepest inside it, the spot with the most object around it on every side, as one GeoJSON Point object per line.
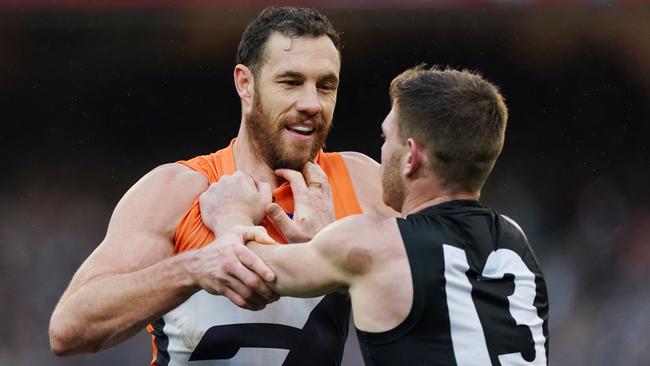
{"type": "Point", "coordinates": [95, 94]}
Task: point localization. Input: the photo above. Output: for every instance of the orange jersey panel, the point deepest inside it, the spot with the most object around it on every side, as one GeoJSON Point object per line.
{"type": "Point", "coordinates": [191, 233]}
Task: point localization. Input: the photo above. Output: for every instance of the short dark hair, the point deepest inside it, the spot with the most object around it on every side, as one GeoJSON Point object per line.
{"type": "Point", "coordinates": [458, 116]}
{"type": "Point", "coordinates": [288, 21]}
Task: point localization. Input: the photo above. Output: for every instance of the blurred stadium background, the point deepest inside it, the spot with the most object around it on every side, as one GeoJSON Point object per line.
{"type": "Point", "coordinates": [94, 94]}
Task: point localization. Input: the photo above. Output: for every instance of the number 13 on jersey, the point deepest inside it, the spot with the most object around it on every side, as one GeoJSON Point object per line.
{"type": "Point", "coordinates": [467, 333]}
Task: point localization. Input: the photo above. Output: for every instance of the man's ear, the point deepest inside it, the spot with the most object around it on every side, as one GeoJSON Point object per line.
{"type": "Point", "coordinates": [244, 84]}
{"type": "Point", "coordinates": [413, 158]}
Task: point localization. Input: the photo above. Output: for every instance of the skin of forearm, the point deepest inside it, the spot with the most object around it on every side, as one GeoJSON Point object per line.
{"type": "Point", "coordinates": [110, 308]}
{"type": "Point", "coordinates": [226, 223]}
{"type": "Point", "coordinates": [295, 276]}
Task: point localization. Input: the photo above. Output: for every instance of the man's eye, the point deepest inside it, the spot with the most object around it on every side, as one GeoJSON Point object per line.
{"type": "Point", "coordinates": [291, 82]}
{"type": "Point", "coordinates": [327, 86]}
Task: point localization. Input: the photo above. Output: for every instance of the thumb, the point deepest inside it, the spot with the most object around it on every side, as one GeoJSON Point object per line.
{"type": "Point", "coordinates": [277, 214]}
{"type": "Point", "coordinates": [258, 234]}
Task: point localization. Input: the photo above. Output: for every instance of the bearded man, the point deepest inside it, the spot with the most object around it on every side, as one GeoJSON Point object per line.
{"type": "Point", "coordinates": [156, 267]}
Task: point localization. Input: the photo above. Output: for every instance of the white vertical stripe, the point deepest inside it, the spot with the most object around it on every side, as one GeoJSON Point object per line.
{"type": "Point", "coordinates": [467, 335]}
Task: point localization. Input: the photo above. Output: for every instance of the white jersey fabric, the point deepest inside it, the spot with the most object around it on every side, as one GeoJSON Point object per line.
{"type": "Point", "coordinates": [208, 330]}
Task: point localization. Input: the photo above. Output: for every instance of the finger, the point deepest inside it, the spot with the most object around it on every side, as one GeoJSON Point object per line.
{"type": "Point", "coordinates": [258, 234]}
{"type": "Point", "coordinates": [252, 288]}
{"type": "Point", "coordinates": [266, 292]}
{"type": "Point", "coordinates": [234, 235]}
{"type": "Point", "coordinates": [254, 307]}
{"type": "Point", "coordinates": [240, 179]}
{"type": "Point", "coordinates": [246, 289]}
{"type": "Point", "coordinates": [277, 215]}
{"type": "Point", "coordinates": [223, 180]}
{"type": "Point", "coordinates": [209, 194]}
{"type": "Point", "coordinates": [265, 190]}
{"type": "Point", "coordinates": [256, 299]}
{"type": "Point", "coordinates": [313, 173]}
{"type": "Point", "coordinates": [244, 178]}
{"type": "Point", "coordinates": [255, 264]}
{"type": "Point", "coordinates": [206, 213]}
{"type": "Point", "coordinates": [251, 233]}
{"type": "Point", "coordinates": [295, 179]}
{"type": "Point", "coordinates": [235, 179]}
{"type": "Point", "coordinates": [234, 297]}
{"type": "Point", "coordinates": [249, 178]}
{"type": "Point", "coordinates": [275, 298]}
{"type": "Point", "coordinates": [240, 174]}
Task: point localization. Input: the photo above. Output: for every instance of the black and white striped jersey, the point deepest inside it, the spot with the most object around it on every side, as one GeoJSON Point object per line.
{"type": "Point", "coordinates": [479, 294]}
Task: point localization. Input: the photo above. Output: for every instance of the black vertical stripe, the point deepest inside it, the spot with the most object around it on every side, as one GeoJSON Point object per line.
{"type": "Point", "coordinates": [161, 341]}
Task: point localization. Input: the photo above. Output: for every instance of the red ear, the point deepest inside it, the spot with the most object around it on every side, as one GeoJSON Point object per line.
{"type": "Point", "coordinates": [244, 83]}
{"type": "Point", "coordinates": [413, 158]}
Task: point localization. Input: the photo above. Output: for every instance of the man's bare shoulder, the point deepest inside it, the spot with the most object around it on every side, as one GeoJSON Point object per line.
{"type": "Point", "coordinates": [355, 225]}
{"type": "Point", "coordinates": [356, 160]}
{"type": "Point", "coordinates": [358, 241]}
{"type": "Point", "coordinates": [365, 174]}
{"type": "Point", "coordinates": [159, 199]}
{"type": "Point", "coordinates": [170, 181]}
{"type": "Point", "coordinates": [366, 177]}
{"type": "Point", "coordinates": [176, 174]}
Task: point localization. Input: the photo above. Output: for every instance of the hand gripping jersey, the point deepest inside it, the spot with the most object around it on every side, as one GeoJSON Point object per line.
{"type": "Point", "coordinates": [210, 330]}
{"type": "Point", "coordinates": [479, 296]}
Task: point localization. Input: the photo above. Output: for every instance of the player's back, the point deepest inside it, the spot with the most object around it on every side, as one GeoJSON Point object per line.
{"type": "Point", "coordinates": [479, 296]}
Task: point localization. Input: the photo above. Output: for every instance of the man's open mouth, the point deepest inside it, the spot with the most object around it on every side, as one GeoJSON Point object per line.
{"type": "Point", "coordinates": [301, 129]}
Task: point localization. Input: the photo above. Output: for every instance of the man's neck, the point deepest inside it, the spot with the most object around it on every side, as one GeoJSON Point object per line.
{"type": "Point", "coordinates": [248, 161]}
{"type": "Point", "coordinates": [426, 193]}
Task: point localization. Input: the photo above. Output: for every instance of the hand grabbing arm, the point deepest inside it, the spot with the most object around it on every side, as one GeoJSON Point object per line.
{"type": "Point", "coordinates": [335, 259]}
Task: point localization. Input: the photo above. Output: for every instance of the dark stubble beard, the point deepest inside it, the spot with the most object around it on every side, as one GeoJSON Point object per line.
{"type": "Point", "coordinates": [271, 147]}
{"type": "Point", "coordinates": [393, 183]}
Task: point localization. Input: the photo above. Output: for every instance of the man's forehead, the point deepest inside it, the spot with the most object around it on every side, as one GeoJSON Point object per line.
{"type": "Point", "coordinates": [389, 121]}
{"type": "Point", "coordinates": [283, 54]}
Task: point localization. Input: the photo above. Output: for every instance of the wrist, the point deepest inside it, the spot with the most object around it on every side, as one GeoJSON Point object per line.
{"type": "Point", "coordinates": [187, 264]}
{"type": "Point", "coordinates": [230, 221]}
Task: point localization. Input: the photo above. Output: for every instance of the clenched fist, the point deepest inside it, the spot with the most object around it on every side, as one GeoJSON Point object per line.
{"type": "Point", "coordinates": [234, 200]}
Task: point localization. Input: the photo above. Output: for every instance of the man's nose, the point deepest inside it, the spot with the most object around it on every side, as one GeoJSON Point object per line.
{"type": "Point", "coordinates": [309, 103]}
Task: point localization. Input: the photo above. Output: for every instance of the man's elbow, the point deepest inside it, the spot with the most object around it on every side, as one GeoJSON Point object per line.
{"type": "Point", "coordinates": [60, 340]}
{"type": "Point", "coordinates": [64, 341]}
{"type": "Point", "coordinates": [58, 344]}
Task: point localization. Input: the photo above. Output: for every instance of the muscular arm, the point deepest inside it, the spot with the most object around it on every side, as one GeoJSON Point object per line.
{"type": "Point", "coordinates": [131, 278]}
{"type": "Point", "coordinates": [366, 177]}
{"type": "Point", "coordinates": [362, 254]}
{"type": "Point", "coordinates": [333, 260]}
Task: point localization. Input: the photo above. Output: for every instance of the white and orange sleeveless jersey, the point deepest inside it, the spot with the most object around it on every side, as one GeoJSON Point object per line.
{"type": "Point", "coordinates": [210, 330]}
